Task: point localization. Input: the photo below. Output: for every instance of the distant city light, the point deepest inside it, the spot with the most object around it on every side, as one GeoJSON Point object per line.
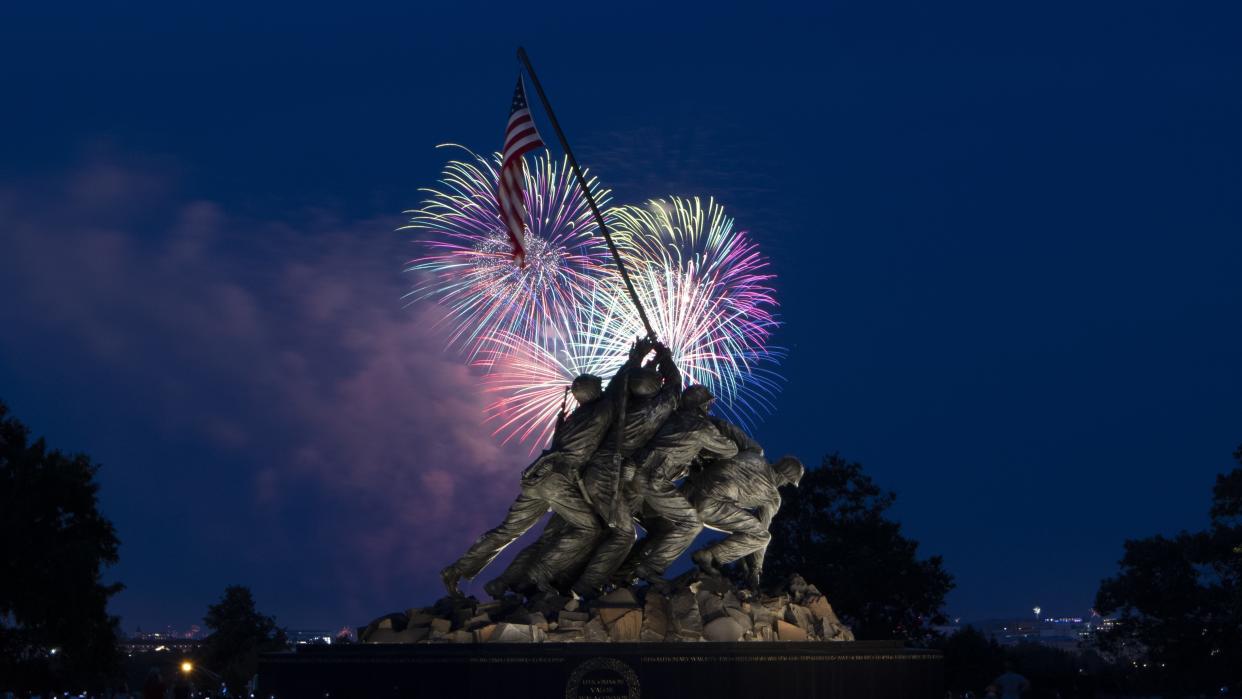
{"type": "Point", "coordinates": [187, 667]}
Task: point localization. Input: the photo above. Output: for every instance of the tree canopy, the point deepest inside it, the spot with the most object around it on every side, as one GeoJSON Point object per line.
{"type": "Point", "coordinates": [971, 660]}
{"type": "Point", "coordinates": [1178, 600]}
{"type": "Point", "coordinates": [239, 633]}
{"type": "Point", "coordinates": [55, 630]}
{"type": "Point", "coordinates": [834, 530]}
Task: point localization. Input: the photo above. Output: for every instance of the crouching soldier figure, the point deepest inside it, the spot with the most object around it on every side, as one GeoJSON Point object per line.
{"type": "Point", "coordinates": [739, 496]}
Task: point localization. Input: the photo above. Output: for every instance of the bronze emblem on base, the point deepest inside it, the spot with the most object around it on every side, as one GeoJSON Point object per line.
{"type": "Point", "coordinates": [603, 678]}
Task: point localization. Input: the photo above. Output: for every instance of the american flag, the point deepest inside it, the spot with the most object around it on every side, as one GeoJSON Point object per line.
{"type": "Point", "coordinates": [520, 138]}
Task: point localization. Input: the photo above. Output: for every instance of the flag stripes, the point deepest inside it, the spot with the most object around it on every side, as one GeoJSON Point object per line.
{"type": "Point", "coordinates": [521, 137]}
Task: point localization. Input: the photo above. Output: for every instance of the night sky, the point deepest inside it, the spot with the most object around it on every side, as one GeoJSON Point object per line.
{"type": "Point", "coordinates": [1007, 239]}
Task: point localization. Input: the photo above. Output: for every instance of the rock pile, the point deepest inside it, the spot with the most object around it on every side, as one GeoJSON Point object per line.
{"type": "Point", "coordinates": [690, 608]}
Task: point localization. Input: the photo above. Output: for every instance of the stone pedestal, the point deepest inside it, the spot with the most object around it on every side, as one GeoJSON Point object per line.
{"type": "Point", "coordinates": [784, 670]}
{"type": "Point", "coordinates": [690, 608]}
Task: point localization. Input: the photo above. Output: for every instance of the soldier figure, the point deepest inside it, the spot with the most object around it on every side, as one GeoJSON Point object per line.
{"type": "Point", "coordinates": [552, 482]}
{"type": "Point", "coordinates": [658, 466]}
{"type": "Point", "coordinates": [653, 395]}
{"type": "Point", "coordinates": [623, 452]}
{"type": "Point", "coordinates": [739, 496]}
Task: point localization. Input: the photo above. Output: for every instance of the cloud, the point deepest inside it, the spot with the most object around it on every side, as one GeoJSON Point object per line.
{"type": "Point", "coordinates": [287, 335]}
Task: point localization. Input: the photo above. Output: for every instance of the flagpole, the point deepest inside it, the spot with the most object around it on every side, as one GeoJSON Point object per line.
{"type": "Point", "coordinates": [586, 191]}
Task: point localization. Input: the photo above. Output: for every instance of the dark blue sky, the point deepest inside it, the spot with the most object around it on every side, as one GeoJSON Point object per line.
{"type": "Point", "coordinates": [1007, 240]}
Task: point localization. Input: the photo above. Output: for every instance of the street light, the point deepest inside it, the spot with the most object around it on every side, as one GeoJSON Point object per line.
{"type": "Point", "coordinates": [188, 668]}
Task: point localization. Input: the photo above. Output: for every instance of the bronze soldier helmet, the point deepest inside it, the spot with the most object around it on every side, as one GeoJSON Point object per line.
{"type": "Point", "coordinates": [586, 388]}
{"type": "Point", "coordinates": [790, 469]}
{"type": "Point", "coordinates": [645, 382]}
{"type": "Point", "coordinates": [697, 396]}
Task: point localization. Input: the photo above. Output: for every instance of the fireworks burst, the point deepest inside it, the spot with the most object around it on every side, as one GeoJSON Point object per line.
{"type": "Point", "coordinates": [528, 377]}
{"type": "Point", "coordinates": [465, 263]}
{"type": "Point", "coordinates": [705, 287]}
{"type": "Point", "coordinates": [704, 284]}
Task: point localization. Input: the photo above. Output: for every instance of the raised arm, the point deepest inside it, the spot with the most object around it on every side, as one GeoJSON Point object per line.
{"type": "Point", "coordinates": [668, 368]}
{"type": "Point", "coordinates": [640, 349]}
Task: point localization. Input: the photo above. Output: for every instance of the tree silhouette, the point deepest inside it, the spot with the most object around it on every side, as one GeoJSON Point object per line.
{"type": "Point", "coordinates": [834, 531]}
{"type": "Point", "coordinates": [55, 631]}
{"type": "Point", "coordinates": [971, 660]}
{"type": "Point", "coordinates": [1178, 601]}
{"type": "Point", "coordinates": [239, 633]}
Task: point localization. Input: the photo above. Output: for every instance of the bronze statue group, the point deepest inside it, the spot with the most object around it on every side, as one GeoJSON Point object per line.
{"type": "Point", "coordinates": [643, 452]}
